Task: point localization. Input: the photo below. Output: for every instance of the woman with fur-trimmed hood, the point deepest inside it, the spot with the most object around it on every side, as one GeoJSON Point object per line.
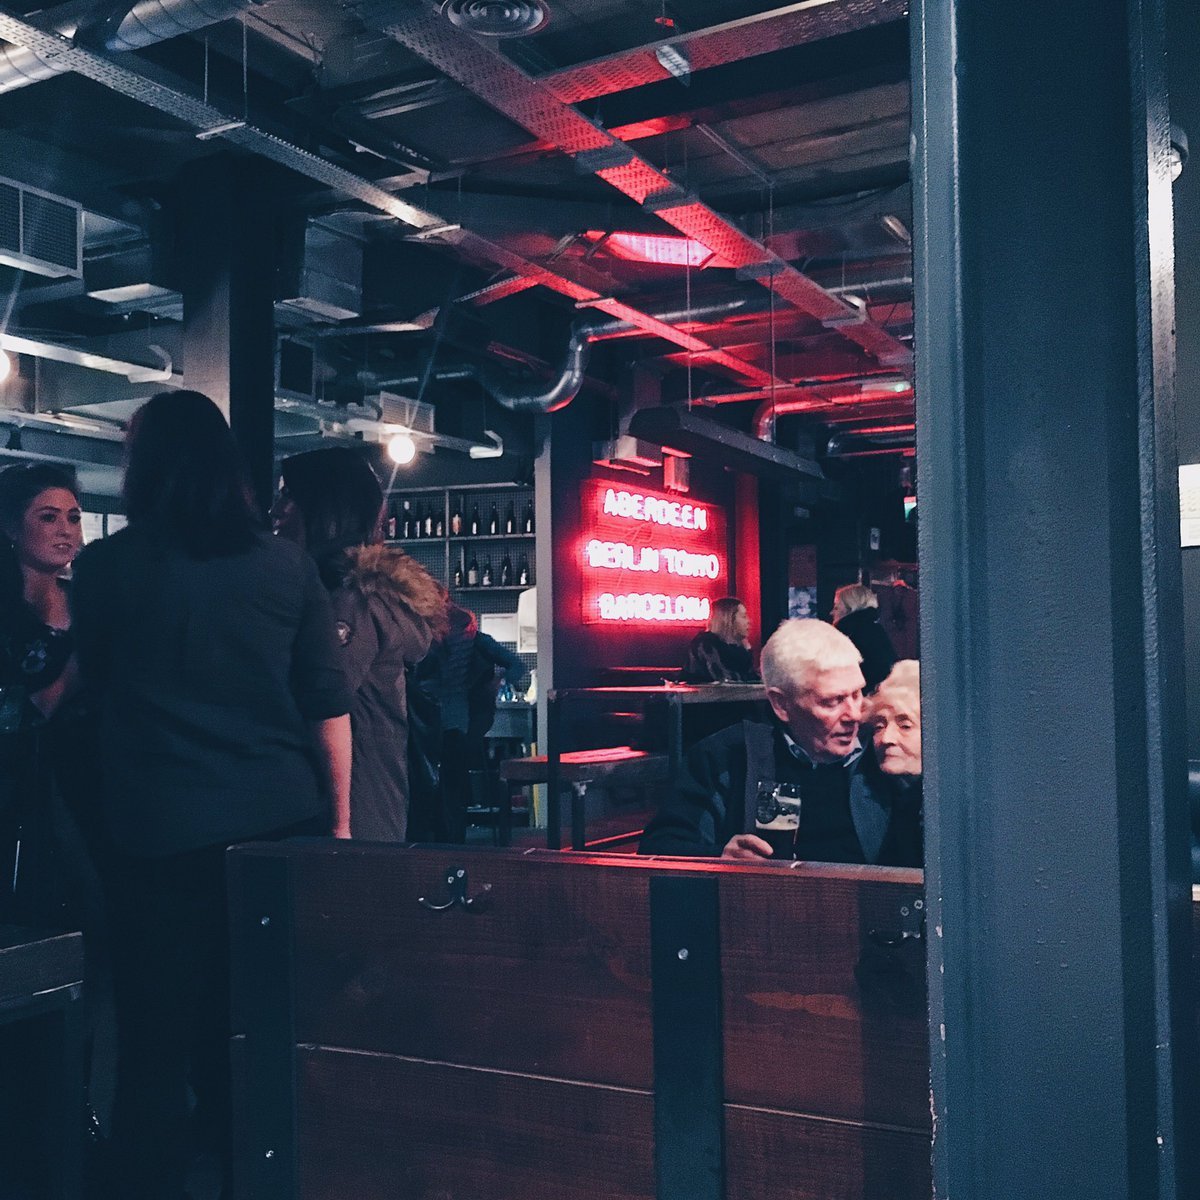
{"type": "Point", "coordinates": [388, 610]}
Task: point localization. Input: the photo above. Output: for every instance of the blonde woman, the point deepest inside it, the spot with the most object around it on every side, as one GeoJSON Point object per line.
{"type": "Point", "coordinates": [721, 654]}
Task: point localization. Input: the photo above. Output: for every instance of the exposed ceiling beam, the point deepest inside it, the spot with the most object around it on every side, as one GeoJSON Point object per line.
{"type": "Point", "coordinates": [170, 99]}
{"type": "Point", "coordinates": [483, 71]}
{"type": "Point", "coordinates": [733, 41]}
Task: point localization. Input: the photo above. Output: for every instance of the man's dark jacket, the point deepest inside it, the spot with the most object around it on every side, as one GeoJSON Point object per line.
{"type": "Point", "coordinates": [714, 799]}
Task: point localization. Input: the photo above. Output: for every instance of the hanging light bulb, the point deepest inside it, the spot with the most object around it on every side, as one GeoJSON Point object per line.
{"type": "Point", "coordinates": [5, 366]}
{"type": "Point", "coordinates": [402, 449]}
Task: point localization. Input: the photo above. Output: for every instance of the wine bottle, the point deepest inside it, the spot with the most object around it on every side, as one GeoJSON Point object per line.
{"type": "Point", "coordinates": [475, 520]}
{"type": "Point", "coordinates": [529, 518]}
{"type": "Point", "coordinates": [510, 520]}
{"type": "Point", "coordinates": [458, 573]}
{"type": "Point", "coordinates": [406, 526]}
{"type": "Point", "coordinates": [506, 571]}
{"type": "Point", "coordinates": [486, 581]}
{"type": "Point", "coordinates": [456, 521]}
{"type": "Point", "coordinates": [473, 573]}
{"type": "Point", "coordinates": [439, 524]}
{"type": "Point", "coordinates": [427, 523]}
{"type": "Point", "coordinates": [523, 572]}
{"type": "Point", "coordinates": [389, 527]}
{"type": "Point", "coordinates": [494, 521]}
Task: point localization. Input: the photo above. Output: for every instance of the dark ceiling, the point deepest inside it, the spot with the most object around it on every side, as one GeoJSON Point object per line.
{"type": "Point", "coordinates": [483, 180]}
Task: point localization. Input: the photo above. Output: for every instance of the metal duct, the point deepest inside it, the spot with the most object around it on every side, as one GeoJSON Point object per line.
{"type": "Point", "coordinates": [208, 119]}
{"type": "Point", "coordinates": [854, 391]}
{"type": "Point", "coordinates": [559, 393]}
{"type": "Point", "coordinates": [150, 21]}
{"type": "Point", "coordinates": [705, 438]}
{"type": "Point", "coordinates": [20, 67]}
{"type": "Point", "coordinates": [144, 24]}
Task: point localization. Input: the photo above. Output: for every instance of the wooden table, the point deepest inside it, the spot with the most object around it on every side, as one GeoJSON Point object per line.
{"type": "Point", "coordinates": [675, 696]}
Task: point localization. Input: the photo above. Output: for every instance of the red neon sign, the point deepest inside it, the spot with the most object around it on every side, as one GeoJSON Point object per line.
{"type": "Point", "coordinates": [649, 558]}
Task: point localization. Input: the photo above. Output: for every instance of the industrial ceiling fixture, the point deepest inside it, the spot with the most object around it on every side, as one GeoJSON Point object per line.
{"type": "Point", "coordinates": [497, 18]}
{"type": "Point", "coordinates": [402, 449]}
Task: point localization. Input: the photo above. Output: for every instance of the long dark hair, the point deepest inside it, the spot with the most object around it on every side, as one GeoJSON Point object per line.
{"type": "Point", "coordinates": [184, 477]}
{"type": "Point", "coordinates": [338, 496]}
{"type": "Point", "coordinates": [20, 485]}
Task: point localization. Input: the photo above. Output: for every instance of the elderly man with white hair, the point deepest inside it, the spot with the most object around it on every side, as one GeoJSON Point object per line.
{"type": "Point", "coordinates": [798, 788]}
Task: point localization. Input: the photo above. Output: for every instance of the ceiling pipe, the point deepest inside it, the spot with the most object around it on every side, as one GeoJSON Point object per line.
{"type": "Point", "coordinates": [133, 27]}
{"type": "Point", "coordinates": [516, 396]}
{"type": "Point", "coordinates": [843, 391]}
{"type": "Point", "coordinates": [211, 121]}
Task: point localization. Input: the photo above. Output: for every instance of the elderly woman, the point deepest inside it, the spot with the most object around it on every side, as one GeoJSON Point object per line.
{"type": "Point", "coordinates": [893, 717]}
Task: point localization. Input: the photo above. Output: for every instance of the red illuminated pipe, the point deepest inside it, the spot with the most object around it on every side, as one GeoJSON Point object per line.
{"type": "Point", "coordinates": [844, 391]}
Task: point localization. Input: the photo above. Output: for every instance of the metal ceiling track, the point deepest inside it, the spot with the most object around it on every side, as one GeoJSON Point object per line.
{"type": "Point", "coordinates": [205, 118]}
{"type": "Point", "coordinates": [482, 70]}
{"type": "Point", "coordinates": [719, 45]}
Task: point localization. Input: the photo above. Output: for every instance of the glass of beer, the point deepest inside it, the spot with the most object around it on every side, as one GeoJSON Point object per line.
{"type": "Point", "coordinates": [777, 816]}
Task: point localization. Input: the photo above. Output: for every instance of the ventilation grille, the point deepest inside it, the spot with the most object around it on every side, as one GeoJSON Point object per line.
{"type": "Point", "coordinates": [39, 232]}
{"type": "Point", "coordinates": [497, 18]}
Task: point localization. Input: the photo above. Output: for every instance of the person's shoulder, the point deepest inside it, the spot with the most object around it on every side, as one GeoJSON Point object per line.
{"type": "Point", "coordinates": [111, 549]}
{"type": "Point", "coordinates": [724, 741]}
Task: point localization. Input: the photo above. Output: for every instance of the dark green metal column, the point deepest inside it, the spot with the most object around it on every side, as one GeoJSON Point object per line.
{"type": "Point", "coordinates": [1056, 850]}
{"type": "Point", "coordinates": [227, 216]}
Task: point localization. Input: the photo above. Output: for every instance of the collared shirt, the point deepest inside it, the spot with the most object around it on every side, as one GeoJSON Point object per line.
{"type": "Point", "coordinates": [801, 755]}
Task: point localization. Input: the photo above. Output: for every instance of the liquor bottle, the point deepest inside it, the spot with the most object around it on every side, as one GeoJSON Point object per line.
{"type": "Point", "coordinates": [406, 526]}
{"type": "Point", "coordinates": [427, 523]}
{"type": "Point", "coordinates": [458, 573]}
{"type": "Point", "coordinates": [486, 581]}
{"type": "Point", "coordinates": [529, 518]}
{"type": "Point", "coordinates": [494, 521]}
{"type": "Point", "coordinates": [439, 523]}
{"type": "Point", "coordinates": [475, 520]}
{"type": "Point", "coordinates": [456, 521]}
{"type": "Point", "coordinates": [506, 571]}
{"type": "Point", "coordinates": [389, 529]}
{"type": "Point", "coordinates": [510, 520]}
{"type": "Point", "coordinates": [473, 573]}
{"type": "Point", "coordinates": [523, 572]}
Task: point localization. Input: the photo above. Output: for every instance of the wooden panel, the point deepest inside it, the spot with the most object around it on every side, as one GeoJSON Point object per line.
{"type": "Point", "coordinates": [818, 1017]}
{"type": "Point", "coordinates": [376, 1127]}
{"type": "Point", "coordinates": [780, 1156]}
{"type": "Point", "coordinates": [549, 974]}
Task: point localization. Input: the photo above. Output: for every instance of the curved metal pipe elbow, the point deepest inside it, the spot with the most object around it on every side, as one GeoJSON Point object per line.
{"type": "Point", "coordinates": [558, 394]}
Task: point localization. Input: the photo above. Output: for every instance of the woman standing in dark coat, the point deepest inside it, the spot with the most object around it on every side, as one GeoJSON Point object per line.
{"type": "Point", "coordinates": [388, 610]}
{"type": "Point", "coordinates": [211, 651]}
{"type": "Point", "coordinates": [856, 614]}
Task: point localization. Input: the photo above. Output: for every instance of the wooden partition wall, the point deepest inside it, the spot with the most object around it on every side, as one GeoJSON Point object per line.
{"type": "Point", "coordinates": [584, 1027]}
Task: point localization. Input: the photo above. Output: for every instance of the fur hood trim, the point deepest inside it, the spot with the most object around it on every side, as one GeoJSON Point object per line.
{"type": "Point", "coordinates": [384, 571]}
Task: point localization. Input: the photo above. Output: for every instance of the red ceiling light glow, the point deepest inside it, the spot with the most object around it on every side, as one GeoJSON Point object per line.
{"type": "Point", "coordinates": [648, 558]}
{"type": "Point", "coordinates": [659, 249]}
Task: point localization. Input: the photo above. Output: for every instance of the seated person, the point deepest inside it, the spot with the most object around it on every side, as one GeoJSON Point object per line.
{"type": "Point", "coordinates": [856, 614]}
{"type": "Point", "coordinates": [722, 652]}
{"type": "Point", "coordinates": [799, 787]}
{"type": "Point", "coordinates": [893, 716]}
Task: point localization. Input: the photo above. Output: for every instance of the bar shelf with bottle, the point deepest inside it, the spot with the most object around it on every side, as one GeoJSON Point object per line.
{"type": "Point", "coordinates": [476, 540]}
